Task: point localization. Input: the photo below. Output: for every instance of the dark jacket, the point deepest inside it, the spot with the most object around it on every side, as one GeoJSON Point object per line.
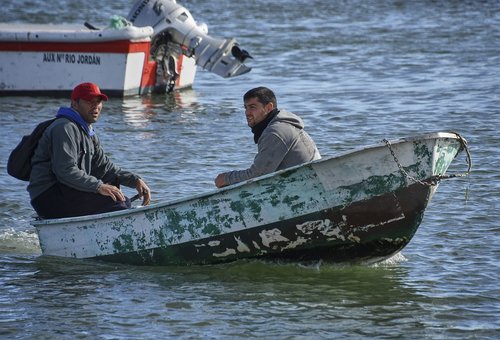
{"type": "Point", "coordinates": [67, 154]}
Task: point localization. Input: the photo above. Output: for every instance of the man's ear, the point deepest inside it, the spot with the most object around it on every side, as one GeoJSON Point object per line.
{"type": "Point", "coordinates": [269, 107]}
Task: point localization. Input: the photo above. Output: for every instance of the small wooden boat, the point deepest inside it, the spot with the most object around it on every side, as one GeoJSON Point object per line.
{"type": "Point", "coordinates": [363, 205]}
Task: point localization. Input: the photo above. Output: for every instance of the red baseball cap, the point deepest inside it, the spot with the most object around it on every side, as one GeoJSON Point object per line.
{"type": "Point", "coordinates": [87, 91]}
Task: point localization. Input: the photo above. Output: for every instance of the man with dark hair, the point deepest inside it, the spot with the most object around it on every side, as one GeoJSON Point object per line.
{"type": "Point", "coordinates": [71, 175]}
{"type": "Point", "coordinates": [281, 139]}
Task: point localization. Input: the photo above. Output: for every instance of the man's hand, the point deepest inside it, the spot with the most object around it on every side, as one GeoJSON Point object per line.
{"type": "Point", "coordinates": [220, 180]}
{"type": "Point", "coordinates": [143, 191]}
{"type": "Point", "coordinates": [111, 191]}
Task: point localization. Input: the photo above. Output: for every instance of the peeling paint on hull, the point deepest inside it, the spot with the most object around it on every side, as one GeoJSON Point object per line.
{"type": "Point", "coordinates": [354, 207]}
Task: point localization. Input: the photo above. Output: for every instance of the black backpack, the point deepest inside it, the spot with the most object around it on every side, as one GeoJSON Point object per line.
{"type": "Point", "coordinates": [19, 163]}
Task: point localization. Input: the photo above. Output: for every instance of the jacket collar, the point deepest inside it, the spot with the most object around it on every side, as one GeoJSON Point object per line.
{"type": "Point", "coordinates": [74, 116]}
{"type": "Point", "coordinates": [259, 128]}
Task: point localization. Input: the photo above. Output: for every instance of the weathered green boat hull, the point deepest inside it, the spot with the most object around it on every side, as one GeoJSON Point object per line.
{"type": "Point", "coordinates": [363, 205]}
{"type": "Point", "coordinates": [373, 229]}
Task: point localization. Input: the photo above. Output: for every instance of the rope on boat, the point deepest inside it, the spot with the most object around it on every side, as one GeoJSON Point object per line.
{"type": "Point", "coordinates": [433, 180]}
{"type": "Point", "coordinates": [463, 146]}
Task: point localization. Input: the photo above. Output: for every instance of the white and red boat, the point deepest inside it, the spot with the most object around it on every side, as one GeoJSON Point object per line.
{"type": "Point", "coordinates": [155, 49]}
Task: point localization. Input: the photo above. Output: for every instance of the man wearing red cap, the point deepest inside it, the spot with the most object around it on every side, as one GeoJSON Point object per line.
{"type": "Point", "coordinates": [71, 175]}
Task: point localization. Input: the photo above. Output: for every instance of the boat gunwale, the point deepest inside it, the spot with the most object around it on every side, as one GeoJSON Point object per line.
{"type": "Point", "coordinates": [47, 33]}
{"type": "Point", "coordinates": [144, 209]}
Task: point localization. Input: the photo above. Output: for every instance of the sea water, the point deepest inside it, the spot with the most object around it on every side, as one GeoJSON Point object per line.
{"type": "Point", "coordinates": [356, 72]}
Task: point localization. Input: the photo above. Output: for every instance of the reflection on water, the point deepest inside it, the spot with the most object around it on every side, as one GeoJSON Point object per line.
{"type": "Point", "coordinates": [248, 293]}
{"type": "Point", "coordinates": [138, 110]}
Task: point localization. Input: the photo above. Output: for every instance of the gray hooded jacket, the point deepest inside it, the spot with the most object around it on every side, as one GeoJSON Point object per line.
{"type": "Point", "coordinates": [283, 144]}
{"type": "Point", "coordinates": [66, 154]}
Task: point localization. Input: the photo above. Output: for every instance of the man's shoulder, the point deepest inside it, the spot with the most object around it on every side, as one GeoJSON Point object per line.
{"type": "Point", "coordinates": [65, 122]}
{"type": "Point", "coordinates": [63, 126]}
{"type": "Point", "coordinates": [288, 117]}
{"type": "Point", "coordinates": [277, 131]}
{"type": "Point", "coordinates": [284, 121]}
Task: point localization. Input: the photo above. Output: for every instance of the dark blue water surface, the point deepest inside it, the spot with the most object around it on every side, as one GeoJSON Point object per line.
{"type": "Point", "coordinates": [357, 72]}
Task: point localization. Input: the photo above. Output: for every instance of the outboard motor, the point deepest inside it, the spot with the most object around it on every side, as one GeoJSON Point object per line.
{"type": "Point", "coordinates": [175, 31]}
